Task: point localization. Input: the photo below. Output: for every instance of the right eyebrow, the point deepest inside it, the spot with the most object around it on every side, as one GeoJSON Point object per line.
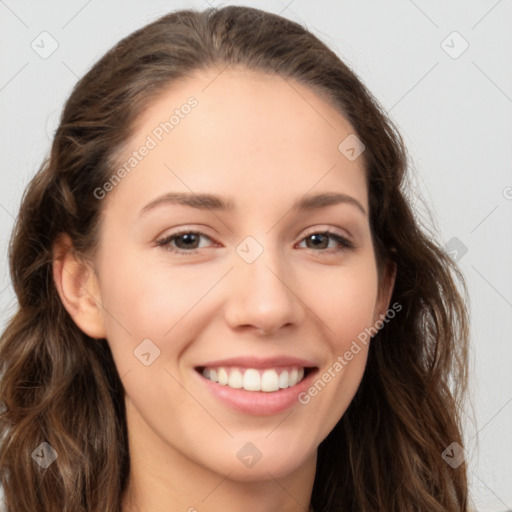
{"type": "Point", "coordinates": [200, 201]}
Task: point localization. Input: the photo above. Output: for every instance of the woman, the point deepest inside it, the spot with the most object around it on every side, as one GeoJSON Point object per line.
{"type": "Point", "coordinates": [225, 300]}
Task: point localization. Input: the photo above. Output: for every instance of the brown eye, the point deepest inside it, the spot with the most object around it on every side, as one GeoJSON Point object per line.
{"type": "Point", "coordinates": [321, 239]}
{"type": "Point", "coordinates": [186, 242]}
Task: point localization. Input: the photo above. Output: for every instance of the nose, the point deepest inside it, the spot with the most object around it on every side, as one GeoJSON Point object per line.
{"type": "Point", "coordinates": [263, 295]}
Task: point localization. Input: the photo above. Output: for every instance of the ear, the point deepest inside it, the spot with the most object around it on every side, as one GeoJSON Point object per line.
{"type": "Point", "coordinates": [386, 290]}
{"type": "Point", "coordinates": [78, 288]}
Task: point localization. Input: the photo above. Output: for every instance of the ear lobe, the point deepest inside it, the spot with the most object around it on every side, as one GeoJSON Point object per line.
{"type": "Point", "coordinates": [78, 288]}
{"type": "Point", "coordinates": [386, 291]}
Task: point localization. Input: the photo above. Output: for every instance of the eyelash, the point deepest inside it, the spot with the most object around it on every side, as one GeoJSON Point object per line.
{"type": "Point", "coordinates": [341, 240]}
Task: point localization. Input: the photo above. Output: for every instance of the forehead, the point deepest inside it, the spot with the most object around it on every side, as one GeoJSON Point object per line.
{"type": "Point", "coordinates": [248, 103]}
{"type": "Point", "coordinates": [246, 130]}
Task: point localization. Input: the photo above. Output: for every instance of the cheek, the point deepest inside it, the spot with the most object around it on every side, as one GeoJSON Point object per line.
{"type": "Point", "coordinates": [346, 305]}
{"type": "Point", "coordinates": [144, 301]}
{"type": "Point", "coordinates": [346, 301]}
{"type": "Point", "coordinates": [147, 301]}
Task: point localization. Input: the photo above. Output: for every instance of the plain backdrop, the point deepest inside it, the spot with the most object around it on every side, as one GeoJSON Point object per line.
{"type": "Point", "coordinates": [443, 71]}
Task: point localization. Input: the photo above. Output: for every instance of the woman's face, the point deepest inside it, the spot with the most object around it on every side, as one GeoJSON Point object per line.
{"type": "Point", "coordinates": [253, 291]}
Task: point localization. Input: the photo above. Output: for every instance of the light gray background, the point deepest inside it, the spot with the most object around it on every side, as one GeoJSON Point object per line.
{"type": "Point", "coordinates": [454, 111]}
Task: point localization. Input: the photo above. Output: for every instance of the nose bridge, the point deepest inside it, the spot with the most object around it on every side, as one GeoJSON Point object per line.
{"type": "Point", "coordinates": [262, 294]}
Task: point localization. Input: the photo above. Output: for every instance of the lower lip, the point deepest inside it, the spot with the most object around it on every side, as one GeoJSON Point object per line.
{"type": "Point", "coordinates": [259, 403]}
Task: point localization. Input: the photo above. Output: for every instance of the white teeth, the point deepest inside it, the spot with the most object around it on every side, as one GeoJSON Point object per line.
{"type": "Point", "coordinates": [292, 380]}
{"type": "Point", "coordinates": [236, 379]}
{"type": "Point", "coordinates": [223, 376]}
{"type": "Point", "coordinates": [283, 379]}
{"type": "Point", "coordinates": [250, 379]}
{"type": "Point", "coordinates": [269, 381]}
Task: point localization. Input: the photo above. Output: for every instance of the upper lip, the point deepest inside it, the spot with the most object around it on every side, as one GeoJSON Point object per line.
{"type": "Point", "coordinates": [260, 362]}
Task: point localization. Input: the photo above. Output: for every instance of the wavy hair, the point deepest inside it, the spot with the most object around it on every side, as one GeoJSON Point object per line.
{"type": "Point", "coordinates": [61, 387]}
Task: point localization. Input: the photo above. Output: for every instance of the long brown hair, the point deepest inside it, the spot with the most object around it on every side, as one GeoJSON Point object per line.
{"type": "Point", "coordinates": [61, 387]}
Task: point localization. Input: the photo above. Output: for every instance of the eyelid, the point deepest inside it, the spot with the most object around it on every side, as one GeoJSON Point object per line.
{"type": "Point", "coordinates": [322, 228]}
{"type": "Point", "coordinates": [180, 230]}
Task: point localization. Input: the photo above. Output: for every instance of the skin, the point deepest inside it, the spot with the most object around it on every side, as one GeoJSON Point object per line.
{"type": "Point", "coordinates": [264, 144]}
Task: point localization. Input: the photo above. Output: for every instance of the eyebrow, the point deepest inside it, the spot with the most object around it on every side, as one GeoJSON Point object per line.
{"type": "Point", "coordinates": [213, 202]}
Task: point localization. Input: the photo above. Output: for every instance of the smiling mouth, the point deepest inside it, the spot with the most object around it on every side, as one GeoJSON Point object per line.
{"type": "Point", "coordinates": [268, 380]}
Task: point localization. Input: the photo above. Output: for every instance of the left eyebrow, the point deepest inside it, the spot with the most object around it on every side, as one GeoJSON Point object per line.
{"type": "Point", "coordinates": [326, 199]}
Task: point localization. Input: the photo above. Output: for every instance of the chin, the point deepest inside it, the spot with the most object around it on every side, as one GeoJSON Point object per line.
{"type": "Point", "coordinates": [252, 464]}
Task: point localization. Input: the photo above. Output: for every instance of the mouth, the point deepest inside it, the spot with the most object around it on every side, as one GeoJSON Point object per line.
{"type": "Point", "coordinates": [267, 380]}
{"type": "Point", "coordinates": [258, 386]}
